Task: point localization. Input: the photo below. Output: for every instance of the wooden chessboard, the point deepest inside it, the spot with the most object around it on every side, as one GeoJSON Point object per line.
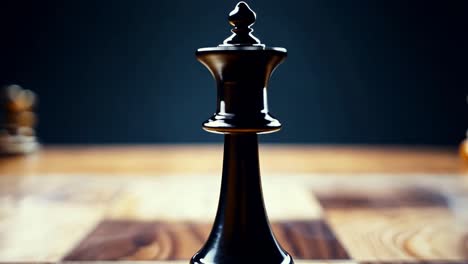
{"type": "Point", "coordinates": [324, 218]}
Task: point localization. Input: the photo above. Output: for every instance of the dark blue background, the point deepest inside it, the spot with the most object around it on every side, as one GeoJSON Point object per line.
{"type": "Point", "coordinates": [124, 71]}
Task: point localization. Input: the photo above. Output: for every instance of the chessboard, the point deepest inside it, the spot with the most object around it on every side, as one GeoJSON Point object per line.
{"type": "Point", "coordinates": [324, 218]}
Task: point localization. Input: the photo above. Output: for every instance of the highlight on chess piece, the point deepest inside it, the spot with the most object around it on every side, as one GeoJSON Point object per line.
{"type": "Point", "coordinates": [241, 67]}
{"type": "Point", "coordinates": [17, 134]}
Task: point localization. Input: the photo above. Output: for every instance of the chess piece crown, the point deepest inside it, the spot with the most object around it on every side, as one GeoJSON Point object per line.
{"type": "Point", "coordinates": [242, 67]}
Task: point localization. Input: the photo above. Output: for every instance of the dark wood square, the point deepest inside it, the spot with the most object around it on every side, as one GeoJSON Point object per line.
{"type": "Point", "coordinates": [139, 240]}
{"type": "Point", "coordinates": [389, 198]}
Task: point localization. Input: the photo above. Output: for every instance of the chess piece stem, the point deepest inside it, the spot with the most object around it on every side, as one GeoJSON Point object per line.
{"type": "Point", "coordinates": [241, 232]}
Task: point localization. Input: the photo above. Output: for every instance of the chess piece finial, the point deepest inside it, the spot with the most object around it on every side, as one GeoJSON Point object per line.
{"type": "Point", "coordinates": [242, 18]}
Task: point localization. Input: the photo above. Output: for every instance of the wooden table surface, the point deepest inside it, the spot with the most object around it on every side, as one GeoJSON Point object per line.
{"type": "Point", "coordinates": [62, 204]}
{"type": "Point", "coordinates": [193, 159]}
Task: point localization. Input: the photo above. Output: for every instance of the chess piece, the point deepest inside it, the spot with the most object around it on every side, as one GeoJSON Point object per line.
{"type": "Point", "coordinates": [17, 134]}
{"type": "Point", "coordinates": [463, 150]}
{"type": "Point", "coordinates": [241, 67]}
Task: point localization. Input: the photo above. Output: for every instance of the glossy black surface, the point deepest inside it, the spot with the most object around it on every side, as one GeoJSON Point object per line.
{"type": "Point", "coordinates": [242, 68]}
{"type": "Point", "coordinates": [242, 78]}
{"type": "Point", "coordinates": [242, 18]}
{"type": "Point", "coordinates": [241, 232]}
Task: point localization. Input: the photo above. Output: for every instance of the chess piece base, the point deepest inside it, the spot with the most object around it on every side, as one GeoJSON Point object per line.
{"type": "Point", "coordinates": [17, 144]}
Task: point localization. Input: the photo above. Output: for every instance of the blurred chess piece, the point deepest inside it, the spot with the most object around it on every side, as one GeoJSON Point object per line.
{"type": "Point", "coordinates": [464, 147]}
{"type": "Point", "coordinates": [464, 150]}
{"type": "Point", "coordinates": [17, 121]}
